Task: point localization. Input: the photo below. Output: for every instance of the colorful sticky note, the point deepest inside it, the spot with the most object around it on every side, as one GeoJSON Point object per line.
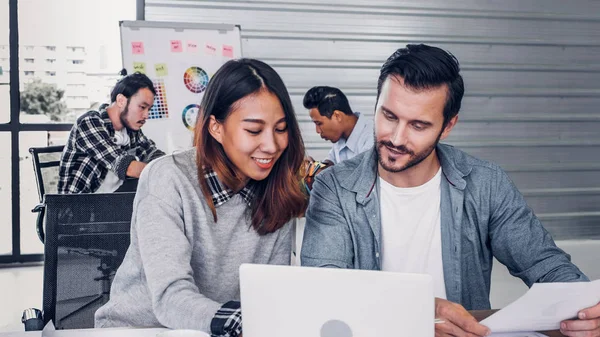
{"type": "Point", "coordinates": [192, 47]}
{"type": "Point", "coordinates": [139, 67]}
{"type": "Point", "coordinates": [161, 69]}
{"type": "Point", "coordinates": [227, 51]}
{"type": "Point", "coordinates": [210, 49]}
{"type": "Point", "coordinates": [137, 48]}
{"type": "Point", "coordinates": [176, 46]}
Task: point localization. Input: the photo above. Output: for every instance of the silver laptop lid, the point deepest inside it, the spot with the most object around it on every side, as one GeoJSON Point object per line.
{"type": "Point", "coordinates": [322, 302]}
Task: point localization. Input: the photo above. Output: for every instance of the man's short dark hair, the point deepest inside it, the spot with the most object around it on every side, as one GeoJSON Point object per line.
{"type": "Point", "coordinates": [130, 85]}
{"type": "Point", "coordinates": [327, 100]}
{"type": "Point", "coordinates": [426, 67]}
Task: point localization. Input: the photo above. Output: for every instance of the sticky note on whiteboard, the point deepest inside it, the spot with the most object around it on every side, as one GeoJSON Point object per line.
{"type": "Point", "coordinates": [137, 48]}
{"type": "Point", "coordinates": [209, 49]}
{"type": "Point", "coordinates": [227, 51]}
{"type": "Point", "coordinates": [176, 46]}
{"type": "Point", "coordinates": [192, 47]}
{"type": "Point", "coordinates": [161, 69]}
{"type": "Point", "coordinates": [139, 67]}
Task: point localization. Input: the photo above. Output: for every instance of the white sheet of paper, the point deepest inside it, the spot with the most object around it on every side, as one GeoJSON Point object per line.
{"type": "Point", "coordinates": [544, 306]}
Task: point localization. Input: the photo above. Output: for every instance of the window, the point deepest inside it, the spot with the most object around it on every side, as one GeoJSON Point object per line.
{"type": "Point", "coordinates": [76, 49]}
{"type": "Point", "coordinates": [53, 47]}
{"type": "Point", "coordinates": [77, 98]}
{"type": "Point", "coordinates": [6, 225]}
{"type": "Point", "coordinates": [5, 191]}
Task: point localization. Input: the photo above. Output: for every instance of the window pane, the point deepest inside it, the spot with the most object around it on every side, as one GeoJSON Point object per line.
{"type": "Point", "coordinates": [30, 244]}
{"type": "Point", "coordinates": [4, 65]}
{"type": "Point", "coordinates": [73, 68]}
{"type": "Point", "coordinates": [5, 196]}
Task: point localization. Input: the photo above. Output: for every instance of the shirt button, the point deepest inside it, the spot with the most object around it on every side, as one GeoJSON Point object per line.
{"type": "Point", "coordinates": [377, 255]}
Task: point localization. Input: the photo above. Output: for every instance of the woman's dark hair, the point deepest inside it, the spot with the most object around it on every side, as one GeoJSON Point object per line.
{"type": "Point", "coordinates": [130, 85]}
{"type": "Point", "coordinates": [279, 197]}
{"type": "Point", "coordinates": [426, 67]}
{"type": "Point", "coordinates": [327, 100]}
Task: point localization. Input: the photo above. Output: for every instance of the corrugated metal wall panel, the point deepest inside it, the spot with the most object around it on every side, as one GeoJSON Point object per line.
{"type": "Point", "coordinates": [531, 68]}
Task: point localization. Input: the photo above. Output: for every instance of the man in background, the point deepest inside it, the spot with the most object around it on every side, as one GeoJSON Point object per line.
{"type": "Point", "coordinates": [107, 146]}
{"type": "Point", "coordinates": [351, 132]}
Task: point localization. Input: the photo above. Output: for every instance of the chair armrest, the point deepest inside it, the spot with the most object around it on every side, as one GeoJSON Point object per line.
{"type": "Point", "coordinates": [40, 209]}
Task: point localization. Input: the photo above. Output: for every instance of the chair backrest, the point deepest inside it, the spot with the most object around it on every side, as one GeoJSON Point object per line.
{"type": "Point", "coordinates": [87, 236]}
{"type": "Point", "coordinates": [45, 165]}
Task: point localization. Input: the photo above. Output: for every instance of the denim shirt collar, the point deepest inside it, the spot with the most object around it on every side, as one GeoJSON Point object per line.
{"type": "Point", "coordinates": [362, 179]}
{"type": "Point", "coordinates": [454, 167]}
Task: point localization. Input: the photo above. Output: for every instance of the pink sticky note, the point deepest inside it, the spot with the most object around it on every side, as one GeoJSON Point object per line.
{"type": "Point", "coordinates": [210, 49]}
{"type": "Point", "coordinates": [192, 47]}
{"type": "Point", "coordinates": [176, 46]}
{"type": "Point", "coordinates": [227, 51]}
{"type": "Point", "coordinates": [137, 48]}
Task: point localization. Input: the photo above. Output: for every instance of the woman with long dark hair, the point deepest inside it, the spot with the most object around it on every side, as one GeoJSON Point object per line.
{"type": "Point", "coordinates": [200, 213]}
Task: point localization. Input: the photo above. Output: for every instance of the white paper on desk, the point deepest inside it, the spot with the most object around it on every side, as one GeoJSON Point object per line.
{"type": "Point", "coordinates": [544, 306]}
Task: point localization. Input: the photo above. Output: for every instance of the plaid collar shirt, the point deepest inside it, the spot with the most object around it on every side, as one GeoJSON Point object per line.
{"type": "Point", "coordinates": [91, 151]}
{"type": "Point", "coordinates": [220, 194]}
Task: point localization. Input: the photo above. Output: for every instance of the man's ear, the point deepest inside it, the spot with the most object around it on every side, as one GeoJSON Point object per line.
{"type": "Point", "coordinates": [215, 129]}
{"type": "Point", "coordinates": [451, 123]}
{"type": "Point", "coordinates": [121, 101]}
{"type": "Point", "coordinates": [337, 115]}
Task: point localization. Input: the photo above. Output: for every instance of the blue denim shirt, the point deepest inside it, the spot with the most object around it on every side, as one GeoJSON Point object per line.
{"type": "Point", "coordinates": [483, 215]}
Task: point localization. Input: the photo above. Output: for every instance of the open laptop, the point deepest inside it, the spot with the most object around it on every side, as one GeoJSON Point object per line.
{"type": "Point", "coordinates": [323, 302]}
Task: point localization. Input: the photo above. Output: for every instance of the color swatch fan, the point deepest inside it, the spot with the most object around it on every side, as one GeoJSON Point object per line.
{"type": "Point", "coordinates": [195, 79]}
{"type": "Point", "coordinates": [189, 116]}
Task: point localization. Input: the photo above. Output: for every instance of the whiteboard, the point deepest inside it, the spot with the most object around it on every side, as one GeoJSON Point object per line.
{"type": "Point", "coordinates": [180, 58]}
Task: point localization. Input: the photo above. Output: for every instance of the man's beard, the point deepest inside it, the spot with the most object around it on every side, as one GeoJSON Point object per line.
{"type": "Point", "coordinates": [123, 117]}
{"type": "Point", "coordinates": [415, 158]}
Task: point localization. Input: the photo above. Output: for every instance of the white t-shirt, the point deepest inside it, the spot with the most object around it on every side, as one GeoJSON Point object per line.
{"type": "Point", "coordinates": [111, 183]}
{"type": "Point", "coordinates": [411, 230]}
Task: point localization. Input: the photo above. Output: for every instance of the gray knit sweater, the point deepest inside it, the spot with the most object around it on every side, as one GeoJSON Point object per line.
{"type": "Point", "coordinates": [181, 266]}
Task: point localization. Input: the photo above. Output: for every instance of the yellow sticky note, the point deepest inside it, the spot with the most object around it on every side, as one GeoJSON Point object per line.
{"type": "Point", "coordinates": [139, 67]}
{"type": "Point", "coordinates": [161, 69]}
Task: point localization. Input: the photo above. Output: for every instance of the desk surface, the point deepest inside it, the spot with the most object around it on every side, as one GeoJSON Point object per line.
{"type": "Point", "coordinates": [479, 314]}
{"type": "Point", "coordinates": [87, 333]}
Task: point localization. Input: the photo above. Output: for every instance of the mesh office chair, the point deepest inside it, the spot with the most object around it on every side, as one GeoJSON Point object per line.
{"type": "Point", "coordinates": [45, 166]}
{"type": "Point", "coordinates": [87, 236]}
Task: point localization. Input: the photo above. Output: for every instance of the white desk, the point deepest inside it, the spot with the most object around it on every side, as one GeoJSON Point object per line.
{"type": "Point", "coordinates": [88, 333]}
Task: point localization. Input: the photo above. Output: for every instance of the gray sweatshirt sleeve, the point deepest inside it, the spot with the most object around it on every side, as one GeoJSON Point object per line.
{"type": "Point", "coordinates": [166, 253]}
